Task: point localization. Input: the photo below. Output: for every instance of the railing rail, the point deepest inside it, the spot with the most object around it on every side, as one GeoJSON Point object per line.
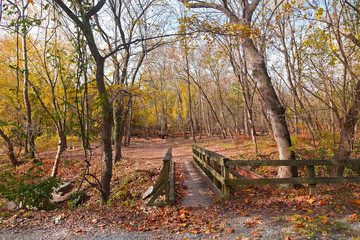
{"type": "Point", "coordinates": [165, 184]}
{"type": "Point", "coordinates": [217, 168]}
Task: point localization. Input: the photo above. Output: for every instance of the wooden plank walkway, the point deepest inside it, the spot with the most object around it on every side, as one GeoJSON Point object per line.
{"type": "Point", "coordinates": [199, 193]}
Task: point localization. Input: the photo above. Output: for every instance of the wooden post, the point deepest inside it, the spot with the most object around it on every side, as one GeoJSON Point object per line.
{"type": "Point", "coordinates": [217, 169]}
{"type": "Point", "coordinates": [226, 175]}
{"type": "Point", "coordinates": [208, 161]}
{"type": "Point", "coordinates": [311, 173]}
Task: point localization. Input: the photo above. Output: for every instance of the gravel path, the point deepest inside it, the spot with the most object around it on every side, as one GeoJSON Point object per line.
{"type": "Point", "coordinates": [237, 227]}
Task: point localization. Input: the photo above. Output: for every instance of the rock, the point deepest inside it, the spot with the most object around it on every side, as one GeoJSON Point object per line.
{"type": "Point", "coordinates": [7, 205]}
{"type": "Point", "coordinates": [148, 193]}
{"type": "Point", "coordinates": [64, 188]}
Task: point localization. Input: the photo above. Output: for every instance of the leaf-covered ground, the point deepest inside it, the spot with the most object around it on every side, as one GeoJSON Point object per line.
{"type": "Point", "coordinates": [262, 212]}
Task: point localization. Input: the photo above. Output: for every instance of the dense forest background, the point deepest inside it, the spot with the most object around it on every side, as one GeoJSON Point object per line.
{"type": "Point", "coordinates": [112, 70]}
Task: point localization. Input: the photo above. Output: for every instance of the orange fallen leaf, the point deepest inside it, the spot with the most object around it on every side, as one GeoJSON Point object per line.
{"type": "Point", "coordinates": [323, 202]}
{"type": "Point", "coordinates": [80, 231]}
{"type": "Point", "coordinates": [250, 224]}
{"type": "Point", "coordinates": [246, 201]}
{"type": "Point", "coordinates": [256, 218]}
{"type": "Point", "coordinates": [300, 225]}
{"type": "Point", "coordinates": [289, 238]}
{"type": "Point", "coordinates": [255, 234]}
{"type": "Point", "coordinates": [356, 202]}
{"type": "Point", "coordinates": [230, 230]}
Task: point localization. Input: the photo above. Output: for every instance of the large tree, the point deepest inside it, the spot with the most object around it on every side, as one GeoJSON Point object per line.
{"type": "Point", "coordinates": [82, 16]}
{"type": "Point", "coordinates": [256, 60]}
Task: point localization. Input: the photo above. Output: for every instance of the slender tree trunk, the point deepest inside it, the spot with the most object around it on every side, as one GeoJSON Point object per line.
{"type": "Point", "coordinates": [60, 150]}
{"type": "Point", "coordinates": [212, 110]}
{"type": "Point", "coordinates": [182, 122]}
{"type": "Point", "coordinates": [191, 120]}
{"type": "Point", "coordinates": [129, 125]}
{"type": "Point", "coordinates": [28, 125]}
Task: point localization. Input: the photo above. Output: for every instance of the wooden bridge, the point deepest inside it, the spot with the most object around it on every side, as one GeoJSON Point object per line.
{"type": "Point", "coordinates": [221, 174]}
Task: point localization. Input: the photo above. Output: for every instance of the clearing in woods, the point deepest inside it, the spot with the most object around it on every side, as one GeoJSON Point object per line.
{"type": "Point", "coordinates": [253, 212]}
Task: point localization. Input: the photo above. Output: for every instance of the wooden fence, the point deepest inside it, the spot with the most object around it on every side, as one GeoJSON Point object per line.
{"type": "Point", "coordinates": [165, 184]}
{"type": "Point", "coordinates": [217, 168]}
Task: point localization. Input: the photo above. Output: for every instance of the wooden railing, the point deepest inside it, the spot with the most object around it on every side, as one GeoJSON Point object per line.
{"type": "Point", "coordinates": [217, 168]}
{"type": "Point", "coordinates": [214, 166]}
{"type": "Point", "coordinates": [165, 184]}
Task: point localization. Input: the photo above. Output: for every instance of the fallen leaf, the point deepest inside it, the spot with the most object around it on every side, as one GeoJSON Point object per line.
{"type": "Point", "coordinates": [256, 218]}
{"type": "Point", "coordinates": [323, 202]}
{"type": "Point", "coordinates": [331, 214]}
{"type": "Point", "coordinates": [80, 231]}
{"type": "Point", "coordinates": [356, 202]}
{"type": "Point", "coordinates": [255, 234]}
{"type": "Point", "coordinates": [300, 225]}
{"type": "Point", "coordinates": [230, 230]}
{"type": "Point", "coordinates": [94, 221]}
{"type": "Point", "coordinates": [102, 225]}
{"type": "Point", "coordinates": [310, 200]}
{"type": "Point", "coordinates": [289, 238]}
{"type": "Point", "coordinates": [251, 224]}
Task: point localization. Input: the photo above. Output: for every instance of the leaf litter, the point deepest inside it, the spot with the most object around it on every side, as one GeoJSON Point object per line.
{"type": "Point", "coordinates": [248, 215]}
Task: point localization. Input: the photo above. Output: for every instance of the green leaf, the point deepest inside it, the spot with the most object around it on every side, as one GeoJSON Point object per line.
{"type": "Point", "coordinates": [319, 13]}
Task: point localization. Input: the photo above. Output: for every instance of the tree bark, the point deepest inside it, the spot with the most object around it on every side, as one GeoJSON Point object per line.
{"type": "Point", "coordinates": [275, 111]}
{"type": "Point", "coordinates": [10, 148]}
{"type": "Point", "coordinates": [60, 150]}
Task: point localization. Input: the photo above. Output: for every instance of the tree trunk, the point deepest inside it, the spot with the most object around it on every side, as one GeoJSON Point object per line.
{"type": "Point", "coordinates": [347, 131]}
{"type": "Point", "coordinates": [118, 123]}
{"type": "Point", "coordinates": [106, 115]}
{"type": "Point", "coordinates": [28, 126]}
{"type": "Point", "coordinates": [10, 148]}
{"type": "Point", "coordinates": [60, 150]}
{"type": "Point", "coordinates": [129, 125]}
{"type": "Point", "coordinates": [275, 111]}
{"type": "Point", "coordinates": [183, 127]}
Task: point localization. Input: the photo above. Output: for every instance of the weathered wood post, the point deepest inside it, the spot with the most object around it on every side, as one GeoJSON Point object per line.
{"type": "Point", "coordinates": [218, 170]}
{"type": "Point", "coordinates": [208, 161]}
{"type": "Point", "coordinates": [166, 161]}
{"type": "Point", "coordinates": [311, 173]}
{"type": "Point", "coordinates": [226, 175]}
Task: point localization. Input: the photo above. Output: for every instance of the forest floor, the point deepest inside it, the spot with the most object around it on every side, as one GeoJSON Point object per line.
{"type": "Point", "coordinates": [262, 212]}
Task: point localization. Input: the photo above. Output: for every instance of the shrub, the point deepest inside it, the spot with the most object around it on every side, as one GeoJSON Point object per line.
{"type": "Point", "coordinates": [28, 189]}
